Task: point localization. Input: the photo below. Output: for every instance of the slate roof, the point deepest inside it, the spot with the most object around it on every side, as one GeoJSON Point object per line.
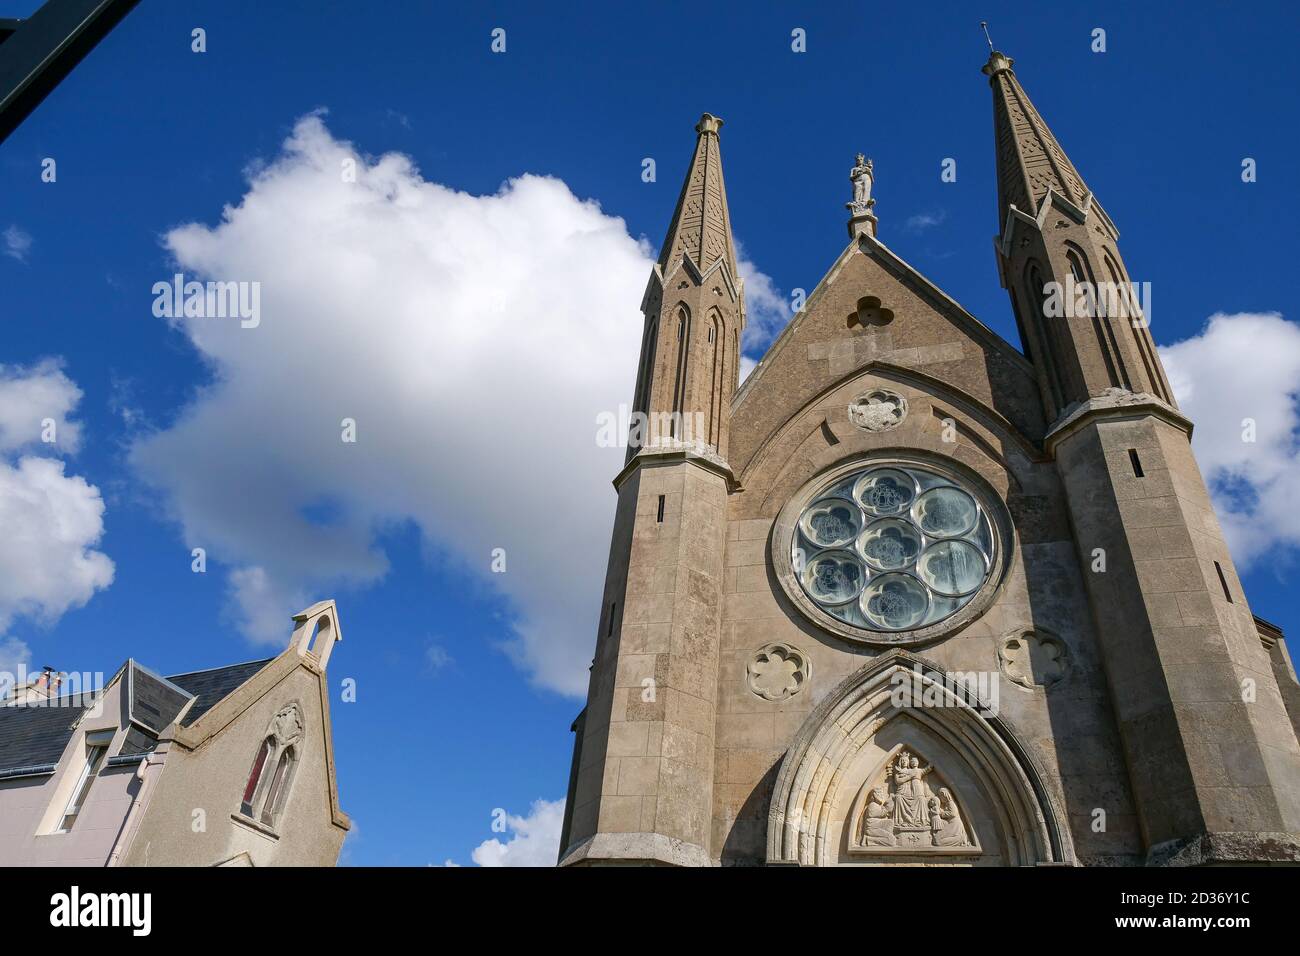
{"type": "Point", "coordinates": [33, 738]}
{"type": "Point", "coordinates": [211, 686]}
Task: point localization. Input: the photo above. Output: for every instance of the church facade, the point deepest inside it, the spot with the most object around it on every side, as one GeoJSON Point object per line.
{"type": "Point", "coordinates": [911, 595]}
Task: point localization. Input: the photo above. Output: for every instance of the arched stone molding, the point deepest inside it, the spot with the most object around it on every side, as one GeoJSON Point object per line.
{"type": "Point", "coordinates": [971, 414]}
{"type": "Point", "coordinates": [855, 730]}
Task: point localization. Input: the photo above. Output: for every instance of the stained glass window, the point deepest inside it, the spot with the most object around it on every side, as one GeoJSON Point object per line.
{"type": "Point", "coordinates": [893, 548]}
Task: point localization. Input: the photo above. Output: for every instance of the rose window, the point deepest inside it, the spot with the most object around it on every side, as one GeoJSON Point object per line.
{"type": "Point", "coordinates": [893, 548]}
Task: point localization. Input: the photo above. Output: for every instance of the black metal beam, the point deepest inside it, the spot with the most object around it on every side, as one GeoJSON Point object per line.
{"type": "Point", "coordinates": [37, 53]}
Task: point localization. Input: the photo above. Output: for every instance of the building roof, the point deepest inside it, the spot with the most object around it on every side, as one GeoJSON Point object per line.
{"type": "Point", "coordinates": [33, 738]}
{"type": "Point", "coordinates": [212, 686]}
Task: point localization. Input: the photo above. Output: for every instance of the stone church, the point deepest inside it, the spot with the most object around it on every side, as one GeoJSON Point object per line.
{"type": "Point", "coordinates": [911, 595]}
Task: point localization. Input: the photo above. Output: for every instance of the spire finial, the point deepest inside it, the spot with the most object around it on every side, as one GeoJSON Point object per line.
{"type": "Point", "coordinates": [984, 25]}
{"type": "Point", "coordinates": [709, 124]}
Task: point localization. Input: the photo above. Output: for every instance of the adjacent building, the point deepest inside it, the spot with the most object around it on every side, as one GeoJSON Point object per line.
{"type": "Point", "coordinates": [232, 766]}
{"type": "Point", "coordinates": [910, 594]}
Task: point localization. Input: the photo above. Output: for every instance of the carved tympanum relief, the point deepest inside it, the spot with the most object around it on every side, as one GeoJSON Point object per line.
{"type": "Point", "coordinates": [909, 808]}
{"type": "Point", "coordinates": [1034, 658]}
{"type": "Point", "coordinates": [878, 410]}
{"type": "Point", "coordinates": [777, 672]}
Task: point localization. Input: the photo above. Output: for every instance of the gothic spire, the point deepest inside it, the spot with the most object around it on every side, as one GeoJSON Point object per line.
{"type": "Point", "coordinates": [701, 227]}
{"type": "Point", "coordinates": [1030, 160]}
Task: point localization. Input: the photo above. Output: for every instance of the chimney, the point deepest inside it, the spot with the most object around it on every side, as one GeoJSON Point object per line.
{"type": "Point", "coordinates": [44, 686]}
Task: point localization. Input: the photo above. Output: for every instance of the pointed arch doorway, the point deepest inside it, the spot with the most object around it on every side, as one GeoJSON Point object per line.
{"type": "Point", "coordinates": [900, 764]}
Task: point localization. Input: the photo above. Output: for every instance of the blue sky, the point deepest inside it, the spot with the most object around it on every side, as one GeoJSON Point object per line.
{"type": "Point", "coordinates": [462, 704]}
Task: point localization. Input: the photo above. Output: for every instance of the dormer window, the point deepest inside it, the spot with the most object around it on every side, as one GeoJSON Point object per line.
{"type": "Point", "coordinates": [96, 750]}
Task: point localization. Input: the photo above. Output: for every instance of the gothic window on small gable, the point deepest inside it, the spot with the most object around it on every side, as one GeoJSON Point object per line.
{"type": "Point", "coordinates": [266, 792]}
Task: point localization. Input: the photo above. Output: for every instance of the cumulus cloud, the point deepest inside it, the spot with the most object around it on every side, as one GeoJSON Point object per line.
{"type": "Point", "coordinates": [17, 243]}
{"type": "Point", "coordinates": [50, 522]}
{"type": "Point", "coordinates": [766, 310]}
{"type": "Point", "coordinates": [473, 339]}
{"type": "Point", "coordinates": [534, 839]}
{"type": "Point", "coordinates": [30, 398]}
{"type": "Point", "coordinates": [1242, 373]}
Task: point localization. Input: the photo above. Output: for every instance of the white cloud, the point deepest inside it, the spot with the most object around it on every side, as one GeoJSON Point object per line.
{"type": "Point", "coordinates": [924, 220]}
{"type": "Point", "coordinates": [1245, 366]}
{"type": "Point", "coordinates": [767, 311]}
{"type": "Point", "coordinates": [31, 395]}
{"type": "Point", "coordinates": [436, 658]}
{"type": "Point", "coordinates": [17, 243]}
{"type": "Point", "coordinates": [534, 840]}
{"type": "Point", "coordinates": [747, 365]}
{"type": "Point", "coordinates": [51, 523]}
{"type": "Point", "coordinates": [260, 606]}
{"type": "Point", "coordinates": [474, 339]}
{"type": "Point", "coordinates": [13, 654]}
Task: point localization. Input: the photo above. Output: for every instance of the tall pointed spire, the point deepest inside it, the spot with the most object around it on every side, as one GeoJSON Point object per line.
{"type": "Point", "coordinates": [1058, 254]}
{"type": "Point", "coordinates": [1030, 160]}
{"type": "Point", "coordinates": [701, 227]}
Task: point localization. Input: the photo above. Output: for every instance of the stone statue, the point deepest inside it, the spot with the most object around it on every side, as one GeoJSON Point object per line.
{"type": "Point", "coordinates": [910, 795]}
{"type": "Point", "coordinates": [861, 176]}
{"type": "Point", "coordinates": [945, 821]}
{"type": "Point", "coordinates": [878, 825]}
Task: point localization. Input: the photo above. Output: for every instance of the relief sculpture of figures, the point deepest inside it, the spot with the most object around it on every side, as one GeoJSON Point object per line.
{"type": "Point", "coordinates": [904, 813]}
{"type": "Point", "coordinates": [910, 795]}
{"type": "Point", "coordinates": [945, 821]}
{"type": "Point", "coordinates": [878, 828]}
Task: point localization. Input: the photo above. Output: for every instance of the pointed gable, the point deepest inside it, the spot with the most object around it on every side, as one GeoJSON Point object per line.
{"type": "Point", "coordinates": [874, 308]}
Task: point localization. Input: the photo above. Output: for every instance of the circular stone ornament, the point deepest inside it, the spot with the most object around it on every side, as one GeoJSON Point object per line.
{"type": "Point", "coordinates": [891, 551]}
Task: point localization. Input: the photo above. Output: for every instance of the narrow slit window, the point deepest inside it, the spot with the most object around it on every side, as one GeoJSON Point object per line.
{"type": "Point", "coordinates": [1223, 583]}
{"type": "Point", "coordinates": [255, 777]}
{"type": "Point", "coordinates": [660, 517]}
{"type": "Point", "coordinates": [1137, 462]}
{"type": "Point", "coordinates": [279, 787]}
{"type": "Point", "coordinates": [609, 626]}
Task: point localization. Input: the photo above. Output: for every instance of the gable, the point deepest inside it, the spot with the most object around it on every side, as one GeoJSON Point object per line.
{"type": "Point", "coordinates": [872, 307]}
{"type": "Point", "coordinates": [243, 712]}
